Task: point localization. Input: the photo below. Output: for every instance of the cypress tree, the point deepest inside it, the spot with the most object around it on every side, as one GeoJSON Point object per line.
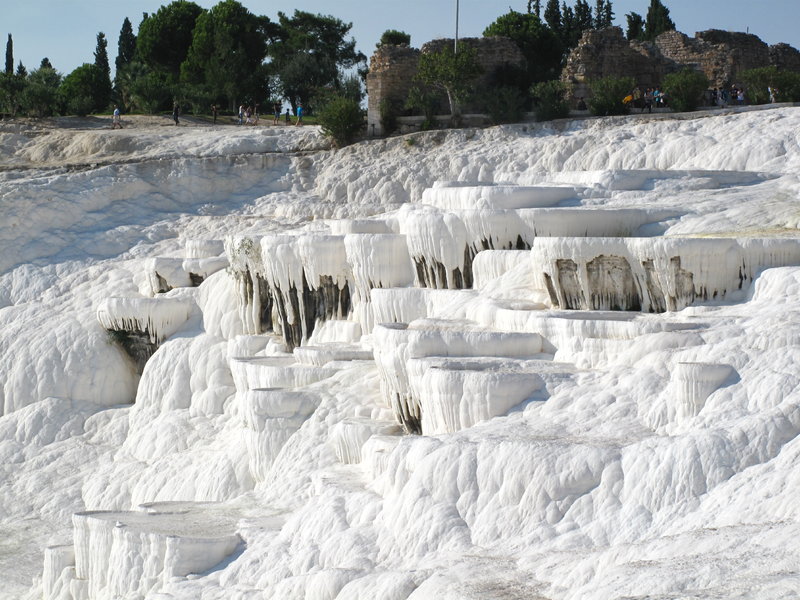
{"type": "Point", "coordinates": [126, 45]}
{"type": "Point", "coordinates": [535, 7]}
{"type": "Point", "coordinates": [657, 21]}
{"type": "Point", "coordinates": [552, 15]}
{"type": "Point", "coordinates": [9, 56]}
{"type": "Point", "coordinates": [608, 13]}
{"type": "Point", "coordinates": [583, 17]}
{"type": "Point", "coordinates": [22, 72]}
{"type": "Point", "coordinates": [635, 30]}
{"type": "Point", "coordinates": [599, 14]}
{"type": "Point", "coordinates": [101, 62]}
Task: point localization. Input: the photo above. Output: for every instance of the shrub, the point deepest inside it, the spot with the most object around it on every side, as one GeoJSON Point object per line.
{"type": "Point", "coordinates": [756, 81]}
{"type": "Point", "coordinates": [342, 120]}
{"type": "Point", "coordinates": [685, 89]}
{"type": "Point", "coordinates": [424, 101]}
{"type": "Point", "coordinates": [607, 95]}
{"type": "Point", "coordinates": [389, 110]}
{"type": "Point", "coordinates": [392, 37]}
{"type": "Point", "coordinates": [505, 105]}
{"type": "Point", "coordinates": [550, 100]}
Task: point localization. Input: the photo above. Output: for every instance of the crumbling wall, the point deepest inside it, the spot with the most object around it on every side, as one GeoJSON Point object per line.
{"type": "Point", "coordinates": [392, 70]}
{"type": "Point", "coordinates": [720, 55]}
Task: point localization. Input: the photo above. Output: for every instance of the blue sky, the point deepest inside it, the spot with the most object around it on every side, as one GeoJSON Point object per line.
{"type": "Point", "coordinates": [65, 30]}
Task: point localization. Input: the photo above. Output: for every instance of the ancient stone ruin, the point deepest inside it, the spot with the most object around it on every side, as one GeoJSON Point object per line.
{"type": "Point", "coordinates": [720, 55]}
{"type": "Point", "coordinates": [392, 70]}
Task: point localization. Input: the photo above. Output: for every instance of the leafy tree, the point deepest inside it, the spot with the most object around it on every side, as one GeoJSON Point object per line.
{"type": "Point", "coordinates": [126, 46]}
{"type": "Point", "coordinates": [786, 84]}
{"type": "Point", "coordinates": [657, 21]}
{"type": "Point", "coordinates": [40, 97]}
{"type": "Point", "coordinates": [350, 87]}
{"type": "Point", "coordinates": [228, 49]}
{"type": "Point", "coordinates": [505, 104]}
{"type": "Point", "coordinates": [603, 14]}
{"type": "Point", "coordinates": [101, 62]}
{"type": "Point", "coordinates": [541, 47]}
{"type": "Point", "coordinates": [310, 51]}
{"type": "Point", "coordinates": [9, 56]}
{"type": "Point", "coordinates": [550, 99]}
{"type": "Point", "coordinates": [685, 89]}
{"type": "Point", "coordinates": [635, 29]}
{"type": "Point", "coordinates": [12, 88]}
{"type": "Point", "coordinates": [80, 90]}
{"type": "Point", "coordinates": [552, 15]}
{"type": "Point", "coordinates": [392, 37]}
{"type": "Point", "coordinates": [150, 91]}
{"type": "Point", "coordinates": [583, 17]}
{"type": "Point", "coordinates": [451, 72]}
{"type": "Point", "coordinates": [423, 100]}
{"type": "Point", "coordinates": [607, 95]}
{"type": "Point", "coordinates": [165, 37]}
{"type": "Point", "coordinates": [22, 72]}
{"type": "Point", "coordinates": [342, 120]}
{"type": "Point", "coordinates": [45, 64]}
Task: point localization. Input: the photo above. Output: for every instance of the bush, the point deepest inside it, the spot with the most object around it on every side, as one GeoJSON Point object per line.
{"type": "Point", "coordinates": [607, 96]}
{"type": "Point", "coordinates": [505, 104]}
{"type": "Point", "coordinates": [756, 81]}
{"type": "Point", "coordinates": [392, 37]}
{"type": "Point", "coordinates": [685, 89]}
{"type": "Point", "coordinates": [550, 100]}
{"type": "Point", "coordinates": [389, 110]}
{"type": "Point", "coordinates": [342, 120]}
{"type": "Point", "coordinates": [426, 102]}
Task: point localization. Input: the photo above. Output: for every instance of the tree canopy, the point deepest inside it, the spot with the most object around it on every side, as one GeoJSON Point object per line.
{"type": "Point", "coordinates": [165, 37]}
{"type": "Point", "coordinates": [541, 47]}
{"type": "Point", "coordinates": [450, 71]}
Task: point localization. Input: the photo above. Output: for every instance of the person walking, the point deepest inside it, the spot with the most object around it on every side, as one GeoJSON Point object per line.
{"type": "Point", "coordinates": [214, 112]}
{"type": "Point", "coordinates": [299, 115]}
{"type": "Point", "coordinates": [276, 112]}
{"type": "Point", "coordinates": [176, 110]}
{"type": "Point", "coordinates": [115, 120]}
{"type": "Point", "coordinates": [286, 118]}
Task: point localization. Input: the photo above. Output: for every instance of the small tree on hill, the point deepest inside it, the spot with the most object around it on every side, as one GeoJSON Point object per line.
{"type": "Point", "coordinates": [103, 93]}
{"type": "Point", "coordinates": [342, 120]}
{"type": "Point", "coordinates": [452, 72]}
{"type": "Point", "coordinates": [9, 56]}
{"type": "Point", "coordinates": [608, 94]}
{"type": "Point", "coordinates": [657, 21]}
{"type": "Point", "coordinates": [392, 37]}
{"type": "Point", "coordinates": [685, 89]}
{"type": "Point", "coordinates": [635, 30]}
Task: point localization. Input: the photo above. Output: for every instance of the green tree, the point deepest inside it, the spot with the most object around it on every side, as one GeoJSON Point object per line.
{"type": "Point", "coordinates": [311, 51]}
{"type": "Point", "coordinates": [603, 14]}
{"type": "Point", "coordinates": [541, 47]}
{"type": "Point", "coordinates": [552, 15]}
{"type": "Point", "coordinates": [392, 37]}
{"type": "Point", "coordinates": [40, 97]}
{"type": "Point", "coordinates": [126, 46]}
{"type": "Point", "coordinates": [785, 85]}
{"type": "Point", "coordinates": [228, 49]}
{"type": "Point", "coordinates": [165, 37]}
{"type": "Point", "coordinates": [9, 56]}
{"type": "Point", "coordinates": [685, 89]}
{"type": "Point", "coordinates": [342, 120]}
{"type": "Point", "coordinates": [550, 100]}
{"type": "Point", "coordinates": [657, 21]}
{"type": "Point", "coordinates": [80, 90]}
{"type": "Point", "coordinates": [583, 16]}
{"type": "Point", "coordinates": [451, 72]}
{"type": "Point", "coordinates": [635, 30]}
{"type": "Point", "coordinates": [103, 97]}
{"type": "Point", "coordinates": [535, 7]}
{"type": "Point", "coordinates": [45, 64]}
{"type": "Point", "coordinates": [608, 94]}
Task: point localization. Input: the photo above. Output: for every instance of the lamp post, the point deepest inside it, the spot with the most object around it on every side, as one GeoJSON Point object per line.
{"type": "Point", "coordinates": [455, 43]}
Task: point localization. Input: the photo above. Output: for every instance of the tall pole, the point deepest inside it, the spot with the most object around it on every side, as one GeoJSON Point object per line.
{"type": "Point", "coordinates": [455, 44]}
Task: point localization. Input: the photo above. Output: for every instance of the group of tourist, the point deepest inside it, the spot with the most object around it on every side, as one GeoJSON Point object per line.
{"type": "Point", "coordinates": [651, 97]}
{"type": "Point", "coordinates": [248, 115]}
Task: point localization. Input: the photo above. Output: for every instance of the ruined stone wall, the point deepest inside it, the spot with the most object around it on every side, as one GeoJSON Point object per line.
{"type": "Point", "coordinates": [720, 55]}
{"type": "Point", "coordinates": [392, 70]}
{"type": "Point", "coordinates": [606, 52]}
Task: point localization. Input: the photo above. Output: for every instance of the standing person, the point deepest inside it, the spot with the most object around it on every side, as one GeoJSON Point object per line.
{"type": "Point", "coordinates": [214, 112]}
{"type": "Point", "coordinates": [276, 111]}
{"type": "Point", "coordinates": [176, 110]}
{"type": "Point", "coordinates": [241, 114]}
{"type": "Point", "coordinates": [286, 120]}
{"type": "Point", "coordinates": [299, 114]}
{"type": "Point", "coordinates": [115, 120]}
{"type": "Point", "coordinates": [648, 100]}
